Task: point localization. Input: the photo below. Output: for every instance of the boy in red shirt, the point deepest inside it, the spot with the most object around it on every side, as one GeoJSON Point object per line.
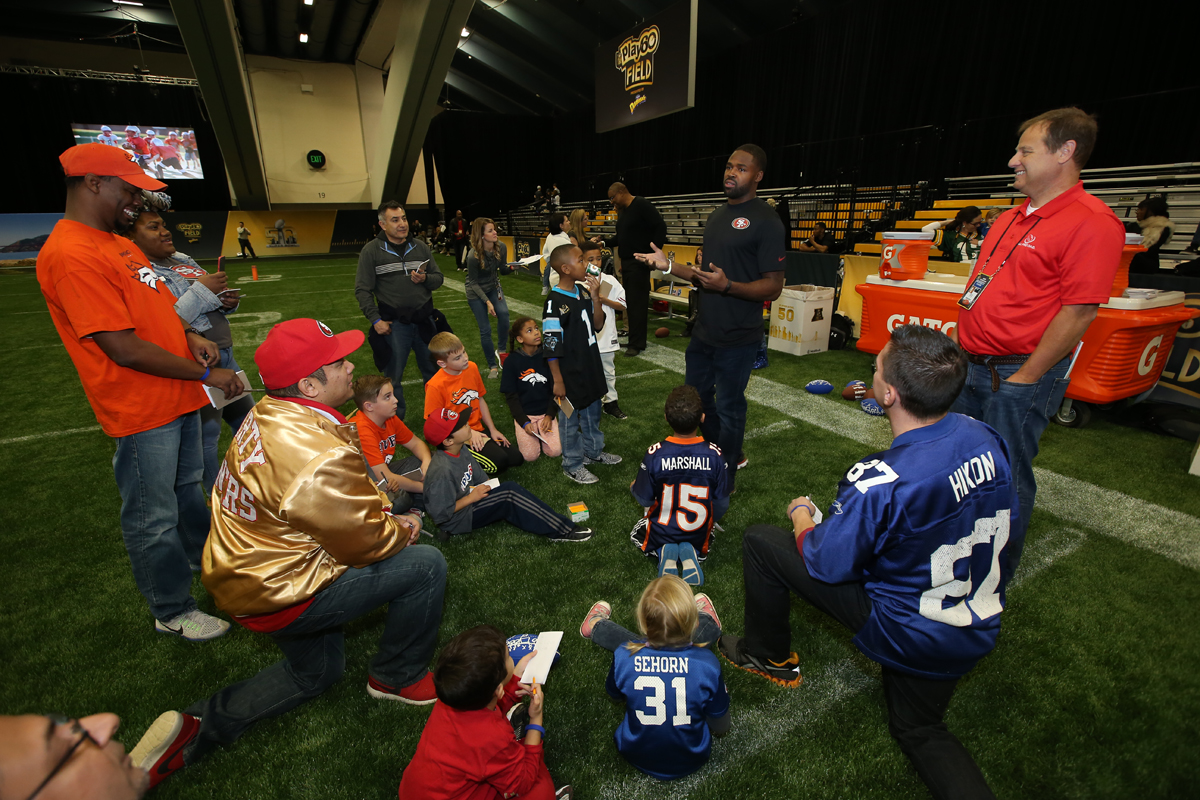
{"type": "Point", "coordinates": [379, 431]}
{"type": "Point", "coordinates": [467, 750]}
{"type": "Point", "coordinates": [459, 386]}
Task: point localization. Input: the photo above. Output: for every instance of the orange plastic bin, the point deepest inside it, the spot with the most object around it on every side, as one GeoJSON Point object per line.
{"type": "Point", "coordinates": [1124, 349]}
{"type": "Point", "coordinates": [904, 255]}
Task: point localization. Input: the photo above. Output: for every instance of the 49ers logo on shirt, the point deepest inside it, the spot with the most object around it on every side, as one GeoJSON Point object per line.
{"type": "Point", "coordinates": [741, 223]}
{"type": "Point", "coordinates": [189, 272]}
{"type": "Point", "coordinates": [464, 397]}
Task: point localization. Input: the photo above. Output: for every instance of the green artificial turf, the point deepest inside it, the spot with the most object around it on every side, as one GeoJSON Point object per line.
{"type": "Point", "coordinates": [1091, 692]}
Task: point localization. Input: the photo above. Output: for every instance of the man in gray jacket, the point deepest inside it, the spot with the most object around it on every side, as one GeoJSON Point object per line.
{"type": "Point", "coordinates": [394, 286]}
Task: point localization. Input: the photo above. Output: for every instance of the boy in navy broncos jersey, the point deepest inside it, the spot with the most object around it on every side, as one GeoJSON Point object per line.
{"type": "Point", "coordinates": [683, 483]}
{"type": "Point", "coordinates": [913, 557]}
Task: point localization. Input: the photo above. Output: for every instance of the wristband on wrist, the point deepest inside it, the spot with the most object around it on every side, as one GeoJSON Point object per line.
{"type": "Point", "coordinates": [806, 507]}
{"type": "Point", "coordinates": [728, 286]}
{"type": "Point", "coordinates": [207, 372]}
{"type": "Point", "coordinates": [533, 727]}
{"type": "Point", "coordinates": [670, 266]}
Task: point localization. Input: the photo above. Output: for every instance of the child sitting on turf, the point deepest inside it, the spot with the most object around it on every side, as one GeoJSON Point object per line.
{"type": "Point", "coordinates": [526, 387]}
{"type": "Point", "coordinates": [612, 298]}
{"type": "Point", "coordinates": [379, 431]}
{"type": "Point", "coordinates": [571, 319]}
{"type": "Point", "coordinates": [671, 685]}
{"type": "Point", "coordinates": [467, 749]}
{"type": "Point", "coordinates": [459, 500]}
{"type": "Point", "coordinates": [684, 486]}
{"type": "Point", "coordinates": [458, 385]}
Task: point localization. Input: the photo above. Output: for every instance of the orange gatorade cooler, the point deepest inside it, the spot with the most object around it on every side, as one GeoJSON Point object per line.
{"type": "Point", "coordinates": [905, 255]}
{"type": "Point", "coordinates": [1133, 244]}
{"type": "Point", "coordinates": [888, 305]}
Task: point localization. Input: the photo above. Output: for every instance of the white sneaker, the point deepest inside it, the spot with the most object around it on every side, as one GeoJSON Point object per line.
{"type": "Point", "coordinates": [194, 626]}
{"type": "Point", "coordinates": [545, 291]}
{"type": "Point", "coordinates": [581, 475]}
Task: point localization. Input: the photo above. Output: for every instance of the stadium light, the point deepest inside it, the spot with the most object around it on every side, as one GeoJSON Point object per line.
{"type": "Point", "coordinates": [128, 3]}
{"type": "Point", "coordinates": [304, 37]}
{"type": "Point", "coordinates": [308, 2]}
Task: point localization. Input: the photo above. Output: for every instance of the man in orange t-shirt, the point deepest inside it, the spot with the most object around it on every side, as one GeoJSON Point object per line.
{"type": "Point", "coordinates": [141, 372]}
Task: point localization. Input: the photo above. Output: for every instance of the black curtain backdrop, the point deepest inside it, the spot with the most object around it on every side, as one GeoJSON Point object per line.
{"type": "Point", "coordinates": [40, 110]}
{"type": "Point", "coordinates": [871, 93]}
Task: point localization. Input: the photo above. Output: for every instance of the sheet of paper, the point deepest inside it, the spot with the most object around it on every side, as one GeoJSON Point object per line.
{"type": "Point", "coordinates": [217, 397]}
{"type": "Point", "coordinates": [565, 405]}
{"type": "Point", "coordinates": [529, 259]}
{"type": "Point", "coordinates": [539, 666]}
{"type": "Point", "coordinates": [494, 483]}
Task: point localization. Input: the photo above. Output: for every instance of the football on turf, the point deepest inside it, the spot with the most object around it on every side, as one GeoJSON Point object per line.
{"type": "Point", "coordinates": [855, 390]}
{"type": "Point", "coordinates": [818, 387]}
{"type": "Point", "coordinates": [662, 333]}
{"type": "Point", "coordinates": [872, 408]}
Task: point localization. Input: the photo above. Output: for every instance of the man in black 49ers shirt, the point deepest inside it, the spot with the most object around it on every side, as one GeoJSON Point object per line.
{"type": "Point", "coordinates": [743, 245]}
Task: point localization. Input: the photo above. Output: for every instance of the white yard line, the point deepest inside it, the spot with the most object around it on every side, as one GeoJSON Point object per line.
{"type": "Point", "coordinates": [67, 432]}
{"type": "Point", "coordinates": [767, 430]}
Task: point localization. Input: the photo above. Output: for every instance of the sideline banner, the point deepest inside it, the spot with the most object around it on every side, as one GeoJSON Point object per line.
{"type": "Point", "coordinates": [1180, 380]}
{"type": "Point", "coordinates": [352, 230]}
{"type": "Point", "coordinates": [648, 71]}
{"type": "Point", "coordinates": [199, 234]}
{"type": "Point", "coordinates": [281, 232]}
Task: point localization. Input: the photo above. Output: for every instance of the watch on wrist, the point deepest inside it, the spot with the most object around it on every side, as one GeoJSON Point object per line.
{"type": "Point", "coordinates": [192, 330]}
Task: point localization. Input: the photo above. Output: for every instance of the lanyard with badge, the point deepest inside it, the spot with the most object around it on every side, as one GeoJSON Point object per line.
{"type": "Point", "coordinates": [982, 279]}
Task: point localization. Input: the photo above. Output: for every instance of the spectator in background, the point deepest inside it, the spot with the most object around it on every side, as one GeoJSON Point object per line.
{"type": "Point", "coordinates": [639, 225]}
{"type": "Point", "coordinates": [579, 223]}
{"type": "Point", "coordinates": [958, 238]}
{"type": "Point", "coordinates": [560, 230]}
{"type": "Point", "coordinates": [394, 285]}
{"type": "Point", "coordinates": [821, 241]}
{"type": "Point", "coordinates": [244, 240]}
{"type": "Point", "coordinates": [460, 234]}
{"type": "Point", "coordinates": [555, 198]}
{"type": "Point", "coordinates": [1154, 222]}
{"type": "Point", "coordinates": [203, 302]}
{"type": "Point", "coordinates": [989, 217]}
{"type": "Point", "coordinates": [486, 262]}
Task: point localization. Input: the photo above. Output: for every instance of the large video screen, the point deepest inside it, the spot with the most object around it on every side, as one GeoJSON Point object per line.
{"type": "Point", "coordinates": [164, 152]}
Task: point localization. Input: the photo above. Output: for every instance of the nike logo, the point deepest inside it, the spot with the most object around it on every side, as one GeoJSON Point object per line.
{"type": "Point", "coordinates": [781, 258]}
{"type": "Point", "coordinates": [165, 767]}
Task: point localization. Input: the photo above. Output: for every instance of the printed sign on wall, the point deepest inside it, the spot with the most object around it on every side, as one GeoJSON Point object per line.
{"type": "Point", "coordinates": [649, 70]}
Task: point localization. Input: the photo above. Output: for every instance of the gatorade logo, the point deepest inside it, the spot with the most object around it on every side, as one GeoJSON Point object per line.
{"type": "Point", "coordinates": [896, 320]}
{"type": "Point", "coordinates": [1149, 356]}
{"type": "Point", "coordinates": [741, 223]}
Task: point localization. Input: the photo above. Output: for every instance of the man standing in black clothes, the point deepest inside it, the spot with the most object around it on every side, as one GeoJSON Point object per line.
{"type": "Point", "coordinates": [639, 227]}
{"type": "Point", "coordinates": [461, 233]}
{"type": "Point", "coordinates": [743, 248]}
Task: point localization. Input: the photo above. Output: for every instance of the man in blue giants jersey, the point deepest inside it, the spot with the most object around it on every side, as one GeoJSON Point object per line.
{"type": "Point", "coordinates": [913, 556]}
{"type": "Point", "coordinates": [683, 482]}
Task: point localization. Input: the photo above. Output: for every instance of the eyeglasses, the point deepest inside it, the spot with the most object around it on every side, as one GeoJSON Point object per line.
{"type": "Point", "coordinates": [76, 728]}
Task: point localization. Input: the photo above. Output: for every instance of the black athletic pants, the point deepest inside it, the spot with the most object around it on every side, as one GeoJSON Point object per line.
{"type": "Point", "coordinates": [245, 245]}
{"type": "Point", "coordinates": [772, 569]}
{"type": "Point", "coordinates": [495, 458]}
{"type": "Point", "coordinates": [635, 277]}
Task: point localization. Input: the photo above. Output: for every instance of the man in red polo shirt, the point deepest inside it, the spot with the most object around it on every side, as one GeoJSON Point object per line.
{"type": "Point", "coordinates": [141, 372]}
{"type": "Point", "coordinates": [1043, 271]}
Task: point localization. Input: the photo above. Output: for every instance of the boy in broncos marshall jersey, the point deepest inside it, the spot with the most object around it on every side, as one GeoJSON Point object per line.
{"type": "Point", "coordinates": [683, 482]}
{"type": "Point", "coordinates": [913, 557]}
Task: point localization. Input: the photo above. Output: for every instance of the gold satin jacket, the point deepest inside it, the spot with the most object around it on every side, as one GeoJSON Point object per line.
{"type": "Point", "coordinates": [293, 509]}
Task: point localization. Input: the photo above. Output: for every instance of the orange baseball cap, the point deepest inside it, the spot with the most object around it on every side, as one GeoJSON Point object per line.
{"type": "Point", "coordinates": [107, 161]}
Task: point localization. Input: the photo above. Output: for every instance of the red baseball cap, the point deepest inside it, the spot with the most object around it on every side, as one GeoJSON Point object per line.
{"type": "Point", "coordinates": [440, 424]}
{"type": "Point", "coordinates": [299, 347]}
{"type": "Point", "coordinates": [107, 161]}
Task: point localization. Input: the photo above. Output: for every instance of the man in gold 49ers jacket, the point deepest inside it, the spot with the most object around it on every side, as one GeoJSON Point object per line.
{"type": "Point", "coordinates": [302, 543]}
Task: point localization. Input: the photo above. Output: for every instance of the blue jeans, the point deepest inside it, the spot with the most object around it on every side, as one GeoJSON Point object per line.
{"type": "Point", "coordinates": [720, 375]}
{"type": "Point", "coordinates": [403, 338]}
{"type": "Point", "coordinates": [164, 520]}
{"type": "Point", "coordinates": [411, 583]}
{"type": "Point", "coordinates": [210, 424]}
{"type": "Point", "coordinates": [580, 436]}
{"type": "Point", "coordinates": [479, 309]}
{"type": "Point", "coordinates": [610, 635]}
{"type": "Point", "coordinates": [1019, 412]}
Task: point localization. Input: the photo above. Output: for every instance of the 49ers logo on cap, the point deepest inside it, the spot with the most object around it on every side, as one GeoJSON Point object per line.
{"type": "Point", "coordinates": [324, 328]}
{"type": "Point", "coordinates": [741, 223]}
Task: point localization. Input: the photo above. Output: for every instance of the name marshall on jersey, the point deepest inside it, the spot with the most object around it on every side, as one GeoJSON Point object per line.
{"type": "Point", "coordinates": [972, 474]}
{"type": "Point", "coordinates": [684, 462]}
{"type": "Point", "coordinates": [675, 664]}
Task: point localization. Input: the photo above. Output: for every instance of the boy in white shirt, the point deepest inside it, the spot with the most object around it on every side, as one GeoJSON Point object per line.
{"type": "Point", "coordinates": [613, 300]}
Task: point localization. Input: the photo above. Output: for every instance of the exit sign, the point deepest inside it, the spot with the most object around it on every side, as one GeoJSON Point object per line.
{"type": "Point", "coordinates": [316, 159]}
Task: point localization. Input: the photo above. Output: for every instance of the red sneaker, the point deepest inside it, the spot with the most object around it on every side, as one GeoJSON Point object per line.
{"type": "Point", "coordinates": [160, 751]}
{"type": "Point", "coordinates": [599, 610]}
{"type": "Point", "coordinates": [420, 693]}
